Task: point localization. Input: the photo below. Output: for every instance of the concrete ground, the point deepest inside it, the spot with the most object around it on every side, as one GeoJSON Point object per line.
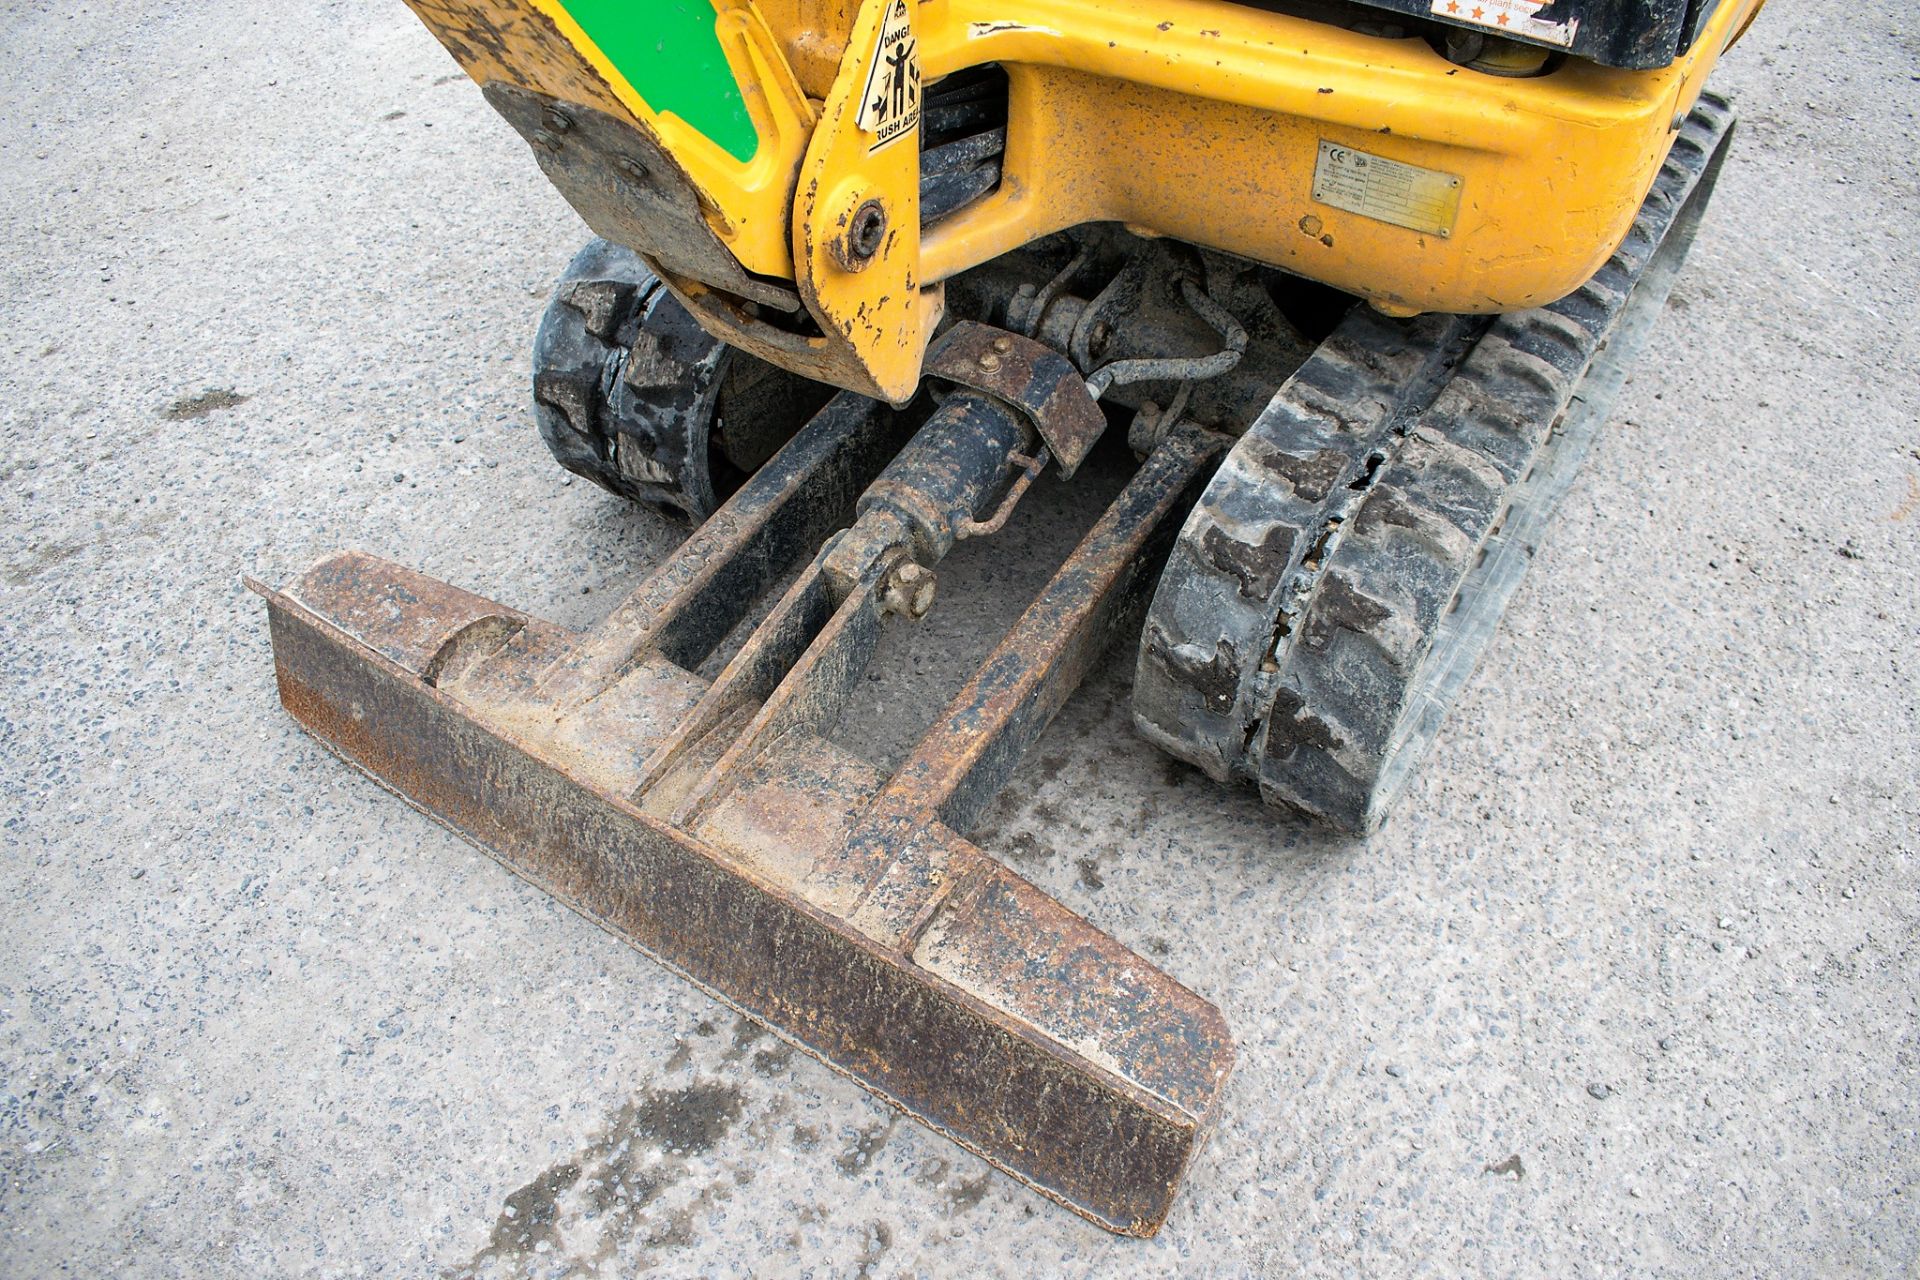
{"type": "Point", "coordinates": [1627, 987]}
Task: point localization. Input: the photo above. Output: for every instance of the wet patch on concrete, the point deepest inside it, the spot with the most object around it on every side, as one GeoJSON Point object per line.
{"type": "Point", "coordinates": [745, 1033]}
{"type": "Point", "coordinates": [879, 1239]}
{"type": "Point", "coordinates": [212, 400]}
{"type": "Point", "coordinates": [581, 1211]}
{"type": "Point", "coordinates": [866, 1145]}
{"type": "Point", "coordinates": [968, 1192]}
{"type": "Point", "coordinates": [960, 1194]}
{"type": "Point", "coordinates": [772, 1061]}
{"type": "Point", "coordinates": [685, 1121]}
{"type": "Point", "coordinates": [1024, 848]}
{"type": "Point", "coordinates": [1510, 1167]}
{"type": "Point", "coordinates": [526, 1220]}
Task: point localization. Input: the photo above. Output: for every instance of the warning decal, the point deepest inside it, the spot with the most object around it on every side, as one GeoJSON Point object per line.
{"type": "Point", "coordinates": [1512, 17]}
{"type": "Point", "coordinates": [890, 108]}
{"type": "Point", "coordinates": [1386, 190]}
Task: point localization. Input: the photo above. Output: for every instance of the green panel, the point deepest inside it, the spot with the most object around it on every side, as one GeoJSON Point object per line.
{"type": "Point", "coordinates": [670, 53]}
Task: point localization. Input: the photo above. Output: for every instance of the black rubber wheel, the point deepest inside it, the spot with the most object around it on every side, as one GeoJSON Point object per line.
{"type": "Point", "coordinates": [630, 392]}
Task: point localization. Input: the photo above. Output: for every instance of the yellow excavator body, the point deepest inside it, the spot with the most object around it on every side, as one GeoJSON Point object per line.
{"type": "Point", "coordinates": [1363, 159]}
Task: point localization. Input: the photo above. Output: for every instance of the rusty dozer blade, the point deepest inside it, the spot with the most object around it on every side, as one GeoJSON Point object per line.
{"type": "Point", "coordinates": [713, 825]}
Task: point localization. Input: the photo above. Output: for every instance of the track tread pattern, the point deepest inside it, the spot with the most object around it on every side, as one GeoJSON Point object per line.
{"type": "Point", "coordinates": [1426, 431]}
{"type": "Point", "coordinates": [604, 287]}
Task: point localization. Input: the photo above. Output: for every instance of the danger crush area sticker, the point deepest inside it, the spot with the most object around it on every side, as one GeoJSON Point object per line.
{"type": "Point", "coordinates": [890, 107]}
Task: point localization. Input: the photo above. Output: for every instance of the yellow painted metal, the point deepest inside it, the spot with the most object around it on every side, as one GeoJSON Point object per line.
{"type": "Point", "coordinates": [877, 304]}
{"type": "Point", "coordinates": [535, 44]}
{"type": "Point", "coordinates": [874, 312]}
{"type": "Point", "coordinates": [1197, 119]}
{"type": "Point", "coordinates": [813, 33]}
{"type": "Point", "coordinates": [1203, 121]}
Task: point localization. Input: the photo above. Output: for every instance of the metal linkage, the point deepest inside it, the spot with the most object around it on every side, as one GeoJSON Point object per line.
{"type": "Point", "coordinates": [714, 826]}
{"type": "Point", "coordinates": [1043, 385]}
{"type": "Point", "coordinates": [1145, 323]}
{"type": "Point", "coordinates": [1182, 369]}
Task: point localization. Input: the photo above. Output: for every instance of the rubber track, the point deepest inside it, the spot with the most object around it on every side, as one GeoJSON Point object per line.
{"type": "Point", "coordinates": [589, 318]}
{"type": "Point", "coordinates": [1297, 638]}
{"type": "Point", "coordinates": [622, 383]}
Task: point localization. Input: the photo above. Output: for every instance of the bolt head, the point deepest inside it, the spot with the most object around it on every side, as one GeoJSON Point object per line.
{"type": "Point", "coordinates": [544, 140]}
{"type": "Point", "coordinates": [989, 361]}
{"type": "Point", "coordinates": [558, 120]}
{"type": "Point", "coordinates": [866, 233]}
{"type": "Point", "coordinates": [910, 589]}
{"type": "Point", "coordinates": [1003, 344]}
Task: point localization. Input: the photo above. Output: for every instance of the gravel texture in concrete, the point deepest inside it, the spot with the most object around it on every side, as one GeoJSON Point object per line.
{"type": "Point", "coordinates": [1627, 987]}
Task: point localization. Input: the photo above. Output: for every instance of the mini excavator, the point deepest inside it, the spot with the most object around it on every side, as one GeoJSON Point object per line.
{"type": "Point", "coordinates": [1352, 282]}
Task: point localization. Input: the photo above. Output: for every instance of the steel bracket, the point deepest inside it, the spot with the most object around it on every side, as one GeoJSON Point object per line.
{"type": "Point", "coordinates": [715, 826]}
{"type": "Point", "coordinates": [1033, 378]}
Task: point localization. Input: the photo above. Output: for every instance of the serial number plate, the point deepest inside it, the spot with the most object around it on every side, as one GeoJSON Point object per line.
{"type": "Point", "coordinates": [1386, 190]}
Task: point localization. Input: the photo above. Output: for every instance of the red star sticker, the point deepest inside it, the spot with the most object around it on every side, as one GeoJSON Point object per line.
{"type": "Point", "coordinates": [1452, 7]}
{"type": "Point", "coordinates": [1478, 12]}
{"type": "Point", "coordinates": [1502, 19]}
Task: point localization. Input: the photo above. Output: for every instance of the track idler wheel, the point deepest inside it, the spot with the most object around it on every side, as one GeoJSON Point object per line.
{"type": "Point", "coordinates": [630, 392]}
